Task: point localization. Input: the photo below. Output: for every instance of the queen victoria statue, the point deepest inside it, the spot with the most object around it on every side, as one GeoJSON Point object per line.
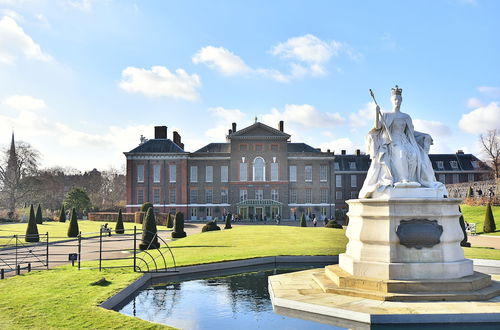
{"type": "Point", "coordinates": [399, 155]}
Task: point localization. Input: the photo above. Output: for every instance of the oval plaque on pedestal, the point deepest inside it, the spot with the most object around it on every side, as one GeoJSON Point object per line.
{"type": "Point", "coordinates": [419, 233]}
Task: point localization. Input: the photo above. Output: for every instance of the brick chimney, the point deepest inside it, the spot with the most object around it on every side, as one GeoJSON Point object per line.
{"type": "Point", "coordinates": [342, 152]}
{"type": "Point", "coordinates": [234, 127]}
{"type": "Point", "coordinates": [282, 125]}
{"type": "Point", "coordinates": [460, 152]}
{"type": "Point", "coordinates": [177, 138]}
{"type": "Point", "coordinates": [160, 132]}
{"type": "Point", "coordinates": [358, 152]}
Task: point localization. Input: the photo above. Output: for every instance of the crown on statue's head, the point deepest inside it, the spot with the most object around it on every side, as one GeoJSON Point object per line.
{"type": "Point", "coordinates": [396, 90]}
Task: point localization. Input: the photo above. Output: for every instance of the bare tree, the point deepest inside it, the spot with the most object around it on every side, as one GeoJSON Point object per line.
{"type": "Point", "coordinates": [490, 143]}
{"type": "Point", "coordinates": [113, 189]}
{"type": "Point", "coordinates": [19, 163]}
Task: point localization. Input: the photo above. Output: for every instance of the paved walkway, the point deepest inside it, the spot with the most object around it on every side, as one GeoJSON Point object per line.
{"type": "Point", "coordinates": [485, 241]}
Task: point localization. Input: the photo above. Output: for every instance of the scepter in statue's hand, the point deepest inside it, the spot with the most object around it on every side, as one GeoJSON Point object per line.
{"type": "Point", "coordinates": [379, 115]}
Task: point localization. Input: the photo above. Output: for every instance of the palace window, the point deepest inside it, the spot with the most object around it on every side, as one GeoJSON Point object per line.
{"type": "Point", "coordinates": [323, 173]}
{"type": "Point", "coordinates": [470, 177]}
{"type": "Point", "coordinates": [140, 196]}
{"type": "Point", "coordinates": [259, 169]}
{"type": "Point", "coordinates": [173, 172]}
{"type": "Point", "coordinates": [140, 173]}
{"type": "Point", "coordinates": [454, 164]}
{"type": "Point", "coordinates": [354, 194]}
{"type": "Point", "coordinates": [172, 196]}
{"type": "Point", "coordinates": [259, 194]}
{"type": "Point", "coordinates": [293, 173]}
{"type": "Point", "coordinates": [308, 197]}
{"type": "Point", "coordinates": [308, 173]}
{"type": "Point", "coordinates": [156, 173]}
{"type": "Point", "coordinates": [193, 196]}
{"type": "Point", "coordinates": [243, 171]}
{"type": "Point", "coordinates": [338, 181]}
{"type": "Point", "coordinates": [455, 178]}
{"type": "Point", "coordinates": [354, 181]}
{"type": "Point", "coordinates": [352, 166]}
{"type": "Point", "coordinates": [209, 196]}
{"type": "Point", "coordinates": [336, 166]}
{"type": "Point", "coordinates": [194, 174]}
{"type": "Point", "coordinates": [223, 196]}
{"type": "Point", "coordinates": [442, 178]}
{"type": "Point", "coordinates": [274, 171]}
{"type": "Point", "coordinates": [324, 195]}
{"type": "Point", "coordinates": [293, 196]}
{"type": "Point", "coordinates": [440, 165]}
{"type": "Point", "coordinates": [156, 196]}
{"type": "Point", "coordinates": [209, 174]}
{"type": "Point", "coordinates": [274, 194]}
{"type": "Point", "coordinates": [243, 195]}
{"type": "Point", "coordinates": [224, 177]}
{"type": "Point", "coordinates": [243, 147]}
{"type": "Point", "coordinates": [338, 195]}
{"type": "Point", "coordinates": [258, 147]}
{"type": "Point", "coordinates": [475, 164]}
{"type": "Point", "coordinates": [274, 147]}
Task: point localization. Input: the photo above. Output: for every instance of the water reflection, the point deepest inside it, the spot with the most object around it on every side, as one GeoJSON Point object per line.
{"type": "Point", "coordinates": [231, 302]}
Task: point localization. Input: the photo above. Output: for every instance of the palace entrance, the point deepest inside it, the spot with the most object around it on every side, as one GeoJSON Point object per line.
{"type": "Point", "coordinates": [256, 209]}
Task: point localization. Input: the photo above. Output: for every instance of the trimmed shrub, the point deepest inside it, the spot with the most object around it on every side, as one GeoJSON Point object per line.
{"type": "Point", "coordinates": [38, 216]}
{"type": "Point", "coordinates": [32, 229]}
{"type": "Point", "coordinates": [228, 221]}
{"type": "Point", "coordinates": [62, 215]}
{"type": "Point", "coordinates": [119, 228]}
{"type": "Point", "coordinates": [149, 231]}
{"type": "Point", "coordinates": [489, 221]}
{"type": "Point", "coordinates": [73, 230]}
{"type": "Point", "coordinates": [333, 224]}
{"type": "Point", "coordinates": [146, 206]}
{"type": "Point", "coordinates": [210, 226]}
{"type": "Point", "coordinates": [303, 222]}
{"type": "Point", "coordinates": [170, 221]}
{"type": "Point", "coordinates": [178, 231]}
{"type": "Point", "coordinates": [462, 226]}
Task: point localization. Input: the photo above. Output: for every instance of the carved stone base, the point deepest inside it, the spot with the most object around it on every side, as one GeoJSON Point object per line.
{"type": "Point", "coordinates": [477, 286]}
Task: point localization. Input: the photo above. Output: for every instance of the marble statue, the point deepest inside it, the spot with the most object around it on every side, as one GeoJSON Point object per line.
{"type": "Point", "coordinates": [399, 154]}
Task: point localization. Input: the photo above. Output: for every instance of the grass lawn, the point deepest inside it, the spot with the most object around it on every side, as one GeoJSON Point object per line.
{"type": "Point", "coordinates": [57, 230]}
{"type": "Point", "coordinates": [64, 298]}
{"type": "Point", "coordinates": [475, 214]}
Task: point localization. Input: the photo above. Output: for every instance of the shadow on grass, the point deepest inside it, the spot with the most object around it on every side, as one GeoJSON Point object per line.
{"type": "Point", "coordinates": [196, 246]}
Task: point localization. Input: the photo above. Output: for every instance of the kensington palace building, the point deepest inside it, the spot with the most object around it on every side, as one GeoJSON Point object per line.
{"type": "Point", "coordinates": [258, 174]}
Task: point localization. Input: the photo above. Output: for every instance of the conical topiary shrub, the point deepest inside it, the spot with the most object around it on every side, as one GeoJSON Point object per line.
{"type": "Point", "coordinates": [170, 221]}
{"type": "Point", "coordinates": [38, 216]}
{"type": "Point", "coordinates": [228, 222]}
{"type": "Point", "coordinates": [489, 221]}
{"type": "Point", "coordinates": [178, 231]}
{"type": "Point", "coordinates": [303, 222]}
{"type": "Point", "coordinates": [119, 228]}
{"type": "Point", "coordinates": [32, 230]}
{"type": "Point", "coordinates": [62, 215]}
{"type": "Point", "coordinates": [470, 193]}
{"type": "Point", "coordinates": [73, 230]}
{"type": "Point", "coordinates": [146, 206]}
{"type": "Point", "coordinates": [149, 231]}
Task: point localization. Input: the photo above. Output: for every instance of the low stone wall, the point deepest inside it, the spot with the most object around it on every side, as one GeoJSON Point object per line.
{"type": "Point", "coordinates": [110, 216]}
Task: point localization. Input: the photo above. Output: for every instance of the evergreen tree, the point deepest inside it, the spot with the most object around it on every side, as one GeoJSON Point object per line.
{"type": "Point", "coordinates": [146, 206]}
{"type": "Point", "coordinates": [73, 230]}
{"type": "Point", "coordinates": [228, 221]}
{"type": "Point", "coordinates": [32, 230]}
{"type": "Point", "coordinates": [79, 199]}
{"type": "Point", "coordinates": [38, 216]}
{"type": "Point", "coordinates": [178, 231]}
{"type": "Point", "coordinates": [170, 220]}
{"type": "Point", "coordinates": [62, 215]}
{"type": "Point", "coordinates": [303, 222]}
{"type": "Point", "coordinates": [470, 193]}
{"type": "Point", "coordinates": [119, 228]}
{"type": "Point", "coordinates": [149, 231]}
{"type": "Point", "coordinates": [489, 221]}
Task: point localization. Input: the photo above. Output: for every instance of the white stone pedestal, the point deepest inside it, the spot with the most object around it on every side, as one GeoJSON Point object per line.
{"type": "Point", "coordinates": [374, 248]}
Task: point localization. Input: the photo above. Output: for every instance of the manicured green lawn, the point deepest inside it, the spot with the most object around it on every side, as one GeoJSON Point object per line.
{"type": "Point", "coordinates": [482, 253]}
{"type": "Point", "coordinates": [475, 214]}
{"type": "Point", "coordinates": [57, 230]}
{"type": "Point", "coordinates": [64, 298]}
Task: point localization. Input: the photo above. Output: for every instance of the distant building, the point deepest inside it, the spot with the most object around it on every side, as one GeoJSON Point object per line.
{"type": "Point", "coordinates": [258, 173]}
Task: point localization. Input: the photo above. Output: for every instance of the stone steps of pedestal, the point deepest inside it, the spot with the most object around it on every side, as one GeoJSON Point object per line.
{"type": "Point", "coordinates": [343, 279]}
{"type": "Point", "coordinates": [328, 286]}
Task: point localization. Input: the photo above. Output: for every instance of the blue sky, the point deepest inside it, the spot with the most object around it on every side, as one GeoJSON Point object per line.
{"type": "Point", "coordinates": [82, 80]}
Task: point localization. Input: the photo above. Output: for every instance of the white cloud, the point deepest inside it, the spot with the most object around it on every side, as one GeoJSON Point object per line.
{"type": "Point", "coordinates": [337, 145]}
{"type": "Point", "coordinates": [363, 117]}
{"type": "Point", "coordinates": [435, 128]}
{"type": "Point", "coordinates": [481, 119]}
{"type": "Point", "coordinates": [474, 103]}
{"type": "Point", "coordinates": [222, 60]}
{"type": "Point", "coordinates": [307, 48]}
{"type": "Point", "coordinates": [24, 102]}
{"type": "Point", "coordinates": [159, 81]}
{"type": "Point", "coordinates": [83, 5]}
{"type": "Point", "coordinates": [490, 91]}
{"type": "Point", "coordinates": [223, 118]}
{"type": "Point", "coordinates": [15, 43]}
{"type": "Point", "coordinates": [304, 115]}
